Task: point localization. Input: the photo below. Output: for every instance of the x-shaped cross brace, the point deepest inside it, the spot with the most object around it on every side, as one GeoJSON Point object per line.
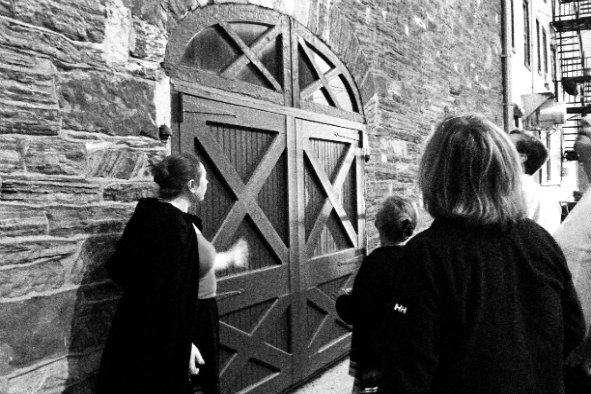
{"type": "Point", "coordinates": [246, 195]}
{"type": "Point", "coordinates": [332, 200]}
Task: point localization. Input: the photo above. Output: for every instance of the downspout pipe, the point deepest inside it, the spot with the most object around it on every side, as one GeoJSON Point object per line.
{"type": "Point", "coordinates": [506, 66]}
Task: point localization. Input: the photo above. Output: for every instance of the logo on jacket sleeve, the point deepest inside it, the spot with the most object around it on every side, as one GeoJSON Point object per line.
{"type": "Point", "coordinates": [400, 308]}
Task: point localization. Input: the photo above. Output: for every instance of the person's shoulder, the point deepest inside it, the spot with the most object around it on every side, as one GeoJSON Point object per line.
{"type": "Point", "coordinates": [154, 213]}
{"type": "Point", "coordinates": [527, 226]}
{"type": "Point", "coordinates": [531, 235]}
{"type": "Point", "coordinates": [440, 230]}
{"type": "Point", "coordinates": [385, 252]}
{"type": "Point", "coordinates": [196, 220]}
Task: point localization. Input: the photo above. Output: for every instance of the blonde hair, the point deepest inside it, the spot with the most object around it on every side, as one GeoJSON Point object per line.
{"type": "Point", "coordinates": [397, 219]}
{"type": "Point", "coordinates": [470, 170]}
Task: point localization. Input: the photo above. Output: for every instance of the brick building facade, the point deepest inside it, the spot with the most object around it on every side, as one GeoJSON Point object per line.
{"type": "Point", "coordinates": [83, 91]}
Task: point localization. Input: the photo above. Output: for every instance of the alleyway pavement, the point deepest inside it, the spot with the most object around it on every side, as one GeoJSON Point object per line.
{"type": "Point", "coordinates": [335, 380]}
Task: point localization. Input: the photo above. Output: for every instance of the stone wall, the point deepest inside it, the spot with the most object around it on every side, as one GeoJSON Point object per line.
{"type": "Point", "coordinates": [82, 93]}
{"type": "Point", "coordinates": [428, 59]}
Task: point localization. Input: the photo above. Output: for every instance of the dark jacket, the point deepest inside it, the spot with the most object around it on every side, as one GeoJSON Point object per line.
{"type": "Point", "coordinates": [481, 310]}
{"type": "Point", "coordinates": [365, 307]}
{"type": "Point", "coordinates": [156, 262]}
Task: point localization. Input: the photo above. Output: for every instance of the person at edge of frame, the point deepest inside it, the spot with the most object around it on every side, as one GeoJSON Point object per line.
{"type": "Point", "coordinates": [474, 307]}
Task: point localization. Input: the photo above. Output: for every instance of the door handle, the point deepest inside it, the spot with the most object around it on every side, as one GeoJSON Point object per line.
{"type": "Point", "coordinates": [229, 294]}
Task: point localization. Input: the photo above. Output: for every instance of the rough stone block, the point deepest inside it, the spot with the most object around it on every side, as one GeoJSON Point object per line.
{"type": "Point", "coordinates": [129, 191]}
{"type": "Point", "coordinates": [89, 266]}
{"type": "Point", "coordinates": [49, 190]}
{"type": "Point", "coordinates": [48, 327]}
{"type": "Point", "coordinates": [106, 103]}
{"type": "Point", "coordinates": [59, 376]}
{"type": "Point", "coordinates": [28, 100]}
{"type": "Point", "coordinates": [91, 322]}
{"type": "Point", "coordinates": [117, 163]}
{"type": "Point", "coordinates": [6, 10]}
{"type": "Point", "coordinates": [32, 381]}
{"type": "Point", "coordinates": [36, 278]}
{"type": "Point", "coordinates": [37, 250]}
{"type": "Point", "coordinates": [64, 53]}
{"type": "Point", "coordinates": [80, 20]}
{"type": "Point", "coordinates": [54, 156]}
{"type": "Point", "coordinates": [89, 219]}
{"type": "Point", "coordinates": [16, 221]}
{"type": "Point", "coordinates": [151, 11]}
{"type": "Point", "coordinates": [10, 154]}
{"type": "Point", "coordinates": [123, 158]}
{"type": "Point", "coordinates": [149, 41]}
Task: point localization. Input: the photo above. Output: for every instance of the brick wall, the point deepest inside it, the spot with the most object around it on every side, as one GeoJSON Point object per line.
{"type": "Point", "coordinates": [78, 84]}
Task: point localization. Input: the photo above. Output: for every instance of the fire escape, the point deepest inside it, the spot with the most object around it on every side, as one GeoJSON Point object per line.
{"type": "Point", "coordinates": [572, 19]}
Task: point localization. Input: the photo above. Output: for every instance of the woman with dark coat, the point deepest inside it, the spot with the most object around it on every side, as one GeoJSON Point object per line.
{"type": "Point", "coordinates": [485, 302]}
{"type": "Point", "coordinates": [156, 262]}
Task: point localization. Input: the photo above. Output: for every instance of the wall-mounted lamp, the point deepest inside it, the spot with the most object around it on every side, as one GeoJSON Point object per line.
{"type": "Point", "coordinates": [164, 132]}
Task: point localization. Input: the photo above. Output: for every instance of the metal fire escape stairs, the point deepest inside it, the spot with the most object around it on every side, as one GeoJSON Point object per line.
{"type": "Point", "coordinates": [571, 20]}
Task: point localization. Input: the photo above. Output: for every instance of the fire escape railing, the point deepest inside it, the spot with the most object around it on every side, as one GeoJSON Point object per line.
{"type": "Point", "coordinates": [571, 19]}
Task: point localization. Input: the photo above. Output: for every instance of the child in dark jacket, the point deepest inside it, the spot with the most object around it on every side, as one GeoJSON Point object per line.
{"type": "Point", "coordinates": [364, 306]}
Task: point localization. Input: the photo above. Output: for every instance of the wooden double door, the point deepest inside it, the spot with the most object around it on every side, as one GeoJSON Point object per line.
{"type": "Point", "coordinates": [292, 186]}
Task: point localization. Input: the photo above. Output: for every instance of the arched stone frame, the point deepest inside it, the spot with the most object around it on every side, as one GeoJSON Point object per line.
{"type": "Point", "coordinates": [326, 24]}
{"type": "Point", "coordinates": [316, 301]}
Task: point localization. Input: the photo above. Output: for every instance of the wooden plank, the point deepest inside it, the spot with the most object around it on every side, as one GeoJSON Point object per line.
{"type": "Point", "coordinates": [361, 193]}
{"type": "Point", "coordinates": [320, 46]}
{"type": "Point", "coordinates": [320, 74]}
{"type": "Point", "coordinates": [193, 77]}
{"type": "Point", "coordinates": [257, 48]}
{"type": "Point", "coordinates": [329, 111]}
{"type": "Point", "coordinates": [288, 88]}
{"type": "Point", "coordinates": [333, 266]}
{"type": "Point", "coordinates": [297, 245]}
{"type": "Point", "coordinates": [333, 199]}
{"type": "Point", "coordinates": [236, 99]}
{"type": "Point", "coordinates": [220, 161]}
{"type": "Point", "coordinates": [309, 90]}
{"type": "Point", "coordinates": [250, 55]}
{"type": "Point", "coordinates": [252, 287]}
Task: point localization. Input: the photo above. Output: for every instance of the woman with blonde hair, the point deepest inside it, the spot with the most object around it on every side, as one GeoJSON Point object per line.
{"type": "Point", "coordinates": [484, 302]}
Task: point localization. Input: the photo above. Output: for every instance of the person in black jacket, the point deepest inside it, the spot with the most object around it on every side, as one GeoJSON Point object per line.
{"type": "Point", "coordinates": [156, 262]}
{"type": "Point", "coordinates": [365, 306]}
{"type": "Point", "coordinates": [484, 302]}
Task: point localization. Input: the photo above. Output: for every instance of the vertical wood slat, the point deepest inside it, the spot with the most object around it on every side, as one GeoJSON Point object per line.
{"type": "Point", "coordinates": [332, 239]}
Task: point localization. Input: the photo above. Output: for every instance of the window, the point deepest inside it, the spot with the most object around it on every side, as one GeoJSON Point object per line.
{"type": "Point", "coordinates": [512, 25]}
{"type": "Point", "coordinates": [545, 49]}
{"type": "Point", "coordinates": [526, 36]}
{"type": "Point", "coordinates": [538, 46]}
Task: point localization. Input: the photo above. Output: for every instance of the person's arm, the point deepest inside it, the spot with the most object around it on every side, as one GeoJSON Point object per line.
{"type": "Point", "coordinates": [372, 288]}
{"type": "Point", "coordinates": [236, 256]}
{"type": "Point", "coordinates": [580, 358]}
{"type": "Point", "coordinates": [572, 316]}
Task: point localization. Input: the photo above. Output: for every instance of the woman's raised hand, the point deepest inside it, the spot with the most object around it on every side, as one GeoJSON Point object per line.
{"type": "Point", "coordinates": [240, 253]}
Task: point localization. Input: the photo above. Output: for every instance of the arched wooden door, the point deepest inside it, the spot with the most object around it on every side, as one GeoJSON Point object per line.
{"type": "Point", "coordinates": [278, 127]}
